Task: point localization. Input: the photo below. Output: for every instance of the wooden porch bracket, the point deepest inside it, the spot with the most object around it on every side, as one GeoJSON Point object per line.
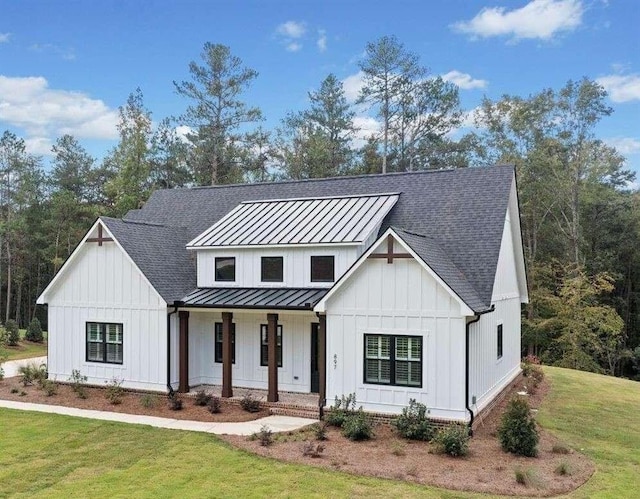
{"type": "Point", "coordinates": [183, 347]}
{"type": "Point", "coordinates": [272, 356]}
{"type": "Point", "coordinates": [322, 359]}
{"type": "Point", "coordinates": [227, 359]}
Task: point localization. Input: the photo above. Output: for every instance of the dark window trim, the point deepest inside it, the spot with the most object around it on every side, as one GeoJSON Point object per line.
{"type": "Point", "coordinates": [215, 269]}
{"type": "Point", "coordinates": [218, 352]}
{"type": "Point", "coordinates": [333, 268]}
{"type": "Point", "coordinates": [262, 259]}
{"type": "Point", "coordinates": [264, 362]}
{"type": "Point", "coordinates": [104, 342]}
{"type": "Point", "coordinates": [500, 341]}
{"type": "Point", "coordinates": [392, 360]}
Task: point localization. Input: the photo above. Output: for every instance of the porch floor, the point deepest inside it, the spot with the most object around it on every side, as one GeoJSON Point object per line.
{"type": "Point", "coordinates": [302, 400]}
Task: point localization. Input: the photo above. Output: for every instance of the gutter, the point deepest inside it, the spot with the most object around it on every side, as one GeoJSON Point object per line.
{"type": "Point", "coordinates": [176, 304]}
{"type": "Point", "coordinates": [466, 367]}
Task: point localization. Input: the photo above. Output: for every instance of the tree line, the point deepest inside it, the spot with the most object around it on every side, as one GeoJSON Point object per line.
{"type": "Point", "coordinates": [580, 221]}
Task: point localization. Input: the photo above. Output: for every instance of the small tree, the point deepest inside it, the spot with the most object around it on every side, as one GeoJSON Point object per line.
{"type": "Point", "coordinates": [13, 333]}
{"type": "Point", "coordinates": [34, 331]}
{"type": "Point", "coordinates": [517, 432]}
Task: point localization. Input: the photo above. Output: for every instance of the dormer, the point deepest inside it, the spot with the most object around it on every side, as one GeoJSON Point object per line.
{"type": "Point", "coordinates": [289, 243]}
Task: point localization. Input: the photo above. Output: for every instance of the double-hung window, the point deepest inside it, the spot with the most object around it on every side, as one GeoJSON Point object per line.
{"type": "Point", "coordinates": [393, 360]}
{"type": "Point", "coordinates": [104, 342]}
{"type": "Point", "coordinates": [218, 342]}
{"type": "Point", "coordinates": [264, 345]}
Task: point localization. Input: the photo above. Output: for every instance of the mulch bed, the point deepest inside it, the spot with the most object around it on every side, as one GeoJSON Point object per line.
{"type": "Point", "coordinates": [131, 403]}
{"type": "Point", "coordinates": [486, 469]}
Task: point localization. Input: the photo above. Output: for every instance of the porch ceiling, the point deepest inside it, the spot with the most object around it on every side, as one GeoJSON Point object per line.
{"type": "Point", "coordinates": [260, 298]}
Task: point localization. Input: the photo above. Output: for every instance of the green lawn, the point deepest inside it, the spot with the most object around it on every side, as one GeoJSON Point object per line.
{"type": "Point", "coordinates": [57, 456]}
{"type": "Point", "coordinates": [27, 349]}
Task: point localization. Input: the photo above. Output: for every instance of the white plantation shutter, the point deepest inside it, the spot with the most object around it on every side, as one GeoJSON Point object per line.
{"type": "Point", "coordinates": [104, 342]}
{"type": "Point", "coordinates": [395, 360]}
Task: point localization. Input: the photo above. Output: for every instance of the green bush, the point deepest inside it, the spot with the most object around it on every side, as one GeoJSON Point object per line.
{"type": "Point", "coordinates": [517, 432]}
{"type": "Point", "coordinates": [148, 401]}
{"type": "Point", "coordinates": [320, 430]}
{"type": "Point", "coordinates": [50, 388]}
{"type": "Point", "coordinates": [202, 398]}
{"type": "Point", "coordinates": [214, 405]}
{"type": "Point", "coordinates": [342, 408]}
{"type": "Point", "coordinates": [357, 426]}
{"type": "Point", "coordinates": [13, 333]}
{"type": "Point", "coordinates": [32, 373]}
{"type": "Point", "coordinates": [114, 391]}
{"type": "Point", "coordinates": [249, 403]}
{"type": "Point", "coordinates": [34, 331]}
{"type": "Point", "coordinates": [413, 423]}
{"type": "Point", "coordinates": [78, 382]}
{"type": "Point", "coordinates": [175, 401]}
{"type": "Point", "coordinates": [453, 440]}
{"type": "Point", "coordinates": [265, 436]}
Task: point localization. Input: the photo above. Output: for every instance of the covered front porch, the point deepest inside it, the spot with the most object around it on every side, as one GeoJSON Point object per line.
{"type": "Point", "coordinates": [275, 348]}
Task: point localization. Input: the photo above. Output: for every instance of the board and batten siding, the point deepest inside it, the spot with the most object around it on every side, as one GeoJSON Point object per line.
{"type": "Point", "coordinates": [401, 298]}
{"type": "Point", "coordinates": [293, 376]}
{"type": "Point", "coordinates": [102, 285]}
{"type": "Point", "coordinates": [488, 373]}
{"type": "Point", "coordinates": [296, 265]}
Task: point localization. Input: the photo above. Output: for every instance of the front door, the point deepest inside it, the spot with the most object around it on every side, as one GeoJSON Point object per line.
{"type": "Point", "coordinates": [315, 373]}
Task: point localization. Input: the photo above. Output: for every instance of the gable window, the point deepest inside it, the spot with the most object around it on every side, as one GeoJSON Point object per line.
{"type": "Point", "coordinates": [218, 343]}
{"type": "Point", "coordinates": [271, 269]}
{"type": "Point", "coordinates": [322, 269]}
{"type": "Point", "coordinates": [264, 345]}
{"type": "Point", "coordinates": [225, 269]}
{"type": "Point", "coordinates": [104, 342]}
{"type": "Point", "coordinates": [499, 338]}
{"type": "Point", "coordinates": [393, 360]}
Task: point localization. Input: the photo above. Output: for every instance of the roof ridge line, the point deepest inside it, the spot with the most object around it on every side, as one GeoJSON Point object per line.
{"type": "Point", "coordinates": [321, 198]}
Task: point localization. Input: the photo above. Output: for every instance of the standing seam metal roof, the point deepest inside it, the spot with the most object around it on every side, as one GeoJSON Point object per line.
{"type": "Point", "coordinates": [264, 298]}
{"type": "Point", "coordinates": [346, 219]}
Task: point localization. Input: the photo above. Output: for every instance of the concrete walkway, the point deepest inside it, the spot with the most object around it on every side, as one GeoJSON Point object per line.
{"type": "Point", "coordinates": [11, 366]}
{"type": "Point", "coordinates": [274, 423]}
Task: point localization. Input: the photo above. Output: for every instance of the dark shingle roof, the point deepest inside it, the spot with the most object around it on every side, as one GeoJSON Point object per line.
{"type": "Point", "coordinates": [159, 252]}
{"type": "Point", "coordinates": [463, 210]}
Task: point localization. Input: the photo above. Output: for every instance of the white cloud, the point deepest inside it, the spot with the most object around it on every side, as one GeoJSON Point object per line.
{"type": "Point", "coordinates": [292, 29]}
{"type": "Point", "coordinates": [4, 37]}
{"type": "Point", "coordinates": [39, 145]}
{"type": "Point", "coordinates": [293, 47]}
{"type": "Point", "coordinates": [352, 85]}
{"type": "Point", "coordinates": [621, 88]}
{"type": "Point", "coordinates": [322, 40]}
{"type": "Point", "coordinates": [28, 103]}
{"type": "Point", "coordinates": [625, 145]}
{"type": "Point", "coordinates": [464, 80]}
{"type": "Point", "coordinates": [366, 127]}
{"type": "Point", "coordinates": [538, 19]}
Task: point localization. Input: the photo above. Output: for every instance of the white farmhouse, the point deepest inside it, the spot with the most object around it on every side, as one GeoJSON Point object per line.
{"type": "Point", "coordinates": [393, 287]}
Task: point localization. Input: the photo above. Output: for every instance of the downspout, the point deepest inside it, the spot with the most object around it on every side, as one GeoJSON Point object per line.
{"type": "Point", "coordinates": [176, 304]}
{"type": "Point", "coordinates": [466, 367]}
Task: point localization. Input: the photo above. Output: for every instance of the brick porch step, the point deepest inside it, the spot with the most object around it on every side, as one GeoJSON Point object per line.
{"type": "Point", "coordinates": [298, 412]}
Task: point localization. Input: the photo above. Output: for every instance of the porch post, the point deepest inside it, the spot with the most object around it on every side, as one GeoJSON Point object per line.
{"type": "Point", "coordinates": [183, 383]}
{"type": "Point", "coordinates": [322, 359]}
{"type": "Point", "coordinates": [272, 356]}
{"type": "Point", "coordinates": [227, 390]}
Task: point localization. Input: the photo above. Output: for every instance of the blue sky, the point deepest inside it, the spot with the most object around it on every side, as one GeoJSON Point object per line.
{"type": "Point", "coordinates": [66, 66]}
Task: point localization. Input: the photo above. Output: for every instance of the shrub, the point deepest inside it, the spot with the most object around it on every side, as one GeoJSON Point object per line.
{"type": "Point", "coordinates": [50, 388]}
{"type": "Point", "coordinates": [517, 432]}
{"type": "Point", "coordinates": [114, 391]}
{"type": "Point", "coordinates": [175, 401]}
{"type": "Point", "coordinates": [527, 477]}
{"type": "Point", "coordinates": [563, 469]}
{"type": "Point", "coordinates": [13, 333]}
{"type": "Point", "coordinates": [214, 405]}
{"type": "Point", "coordinates": [341, 409]}
{"type": "Point", "coordinates": [560, 449]}
{"type": "Point", "coordinates": [22, 393]}
{"type": "Point", "coordinates": [453, 440]}
{"type": "Point", "coordinates": [320, 430]}
{"type": "Point", "coordinates": [33, 374]}
{"type": "Point", "coordinates": [265, 436]}
{"type": "Point", "coordinates": [357, 426]}
{"type": "Point", "coordinates": [249, 403]}
{"type": "Point", "coordinates": [202, 398]}
{"type": "Point", "coordinates": [311, 449]}
{"type": "Point", "coordinates": [413, 423]}
{"type": "Point", "coordinates": [34, 331]}
{"type": "Point", "coordinates": [1, 372]}
{"type": "Point", "coordinates": [78, 382]}
{"type": "Point", "coordinates": [148, 401]}
{"type": "Point", "coordinates": [14, 390]}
